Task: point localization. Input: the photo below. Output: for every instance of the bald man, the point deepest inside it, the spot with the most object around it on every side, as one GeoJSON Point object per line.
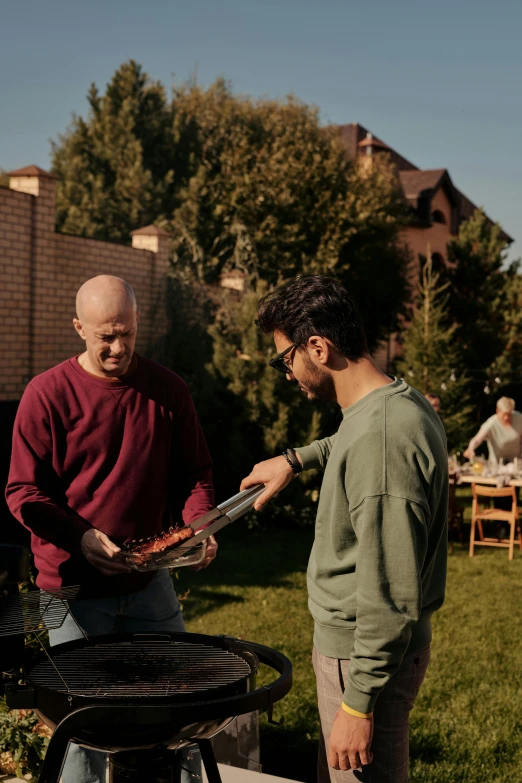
{"type": "Point", "coordinates": [107, 447]}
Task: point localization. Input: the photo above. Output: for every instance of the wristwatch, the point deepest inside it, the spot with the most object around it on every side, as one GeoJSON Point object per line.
{"type": "Point", "coordinates": [291, 458]}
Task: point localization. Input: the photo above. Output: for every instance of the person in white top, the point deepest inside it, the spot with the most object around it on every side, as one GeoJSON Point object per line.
{"type": "Point", "coordinates": [502, 431]}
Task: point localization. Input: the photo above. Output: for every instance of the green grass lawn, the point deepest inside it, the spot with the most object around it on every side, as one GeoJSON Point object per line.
{"type": "Point", "coordinates": [467, 722]}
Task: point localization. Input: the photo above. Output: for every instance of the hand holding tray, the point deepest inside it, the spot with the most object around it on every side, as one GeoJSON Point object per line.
{"type": "Point", "coordinates": [192, 550]}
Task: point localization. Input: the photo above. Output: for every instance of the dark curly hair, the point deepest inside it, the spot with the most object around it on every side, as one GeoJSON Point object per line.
{"type": "Point", "coordinates": [315, 304]}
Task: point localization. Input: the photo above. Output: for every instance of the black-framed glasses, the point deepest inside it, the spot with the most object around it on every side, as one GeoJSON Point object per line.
{"type": "Point", "coordinates": [277, 362]}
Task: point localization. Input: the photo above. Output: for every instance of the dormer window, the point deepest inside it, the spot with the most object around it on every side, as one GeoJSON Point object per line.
{"type": "Point", "coordinates": [437, 216]}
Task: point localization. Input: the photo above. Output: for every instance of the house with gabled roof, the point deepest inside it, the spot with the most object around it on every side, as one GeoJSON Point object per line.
{"type": "Point", "coordinates": [436, 206]}
{"type": "Point", "coordinates": [436, 209]}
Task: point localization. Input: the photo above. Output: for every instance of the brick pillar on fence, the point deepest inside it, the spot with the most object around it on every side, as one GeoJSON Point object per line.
{"type": "Point", "coordinates": [42, 186]}
{"type": "Point", "coordinates": [155, 240]}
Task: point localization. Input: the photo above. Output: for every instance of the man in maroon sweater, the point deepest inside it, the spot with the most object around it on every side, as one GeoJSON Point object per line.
{"type": "Point", "coordinates": [107, 447]}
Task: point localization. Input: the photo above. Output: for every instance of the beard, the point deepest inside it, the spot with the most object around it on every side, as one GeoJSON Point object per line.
{"type": "Point", "coordinates": [317, 384]}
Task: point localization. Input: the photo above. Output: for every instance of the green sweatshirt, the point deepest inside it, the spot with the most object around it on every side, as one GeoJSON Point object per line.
{"type": "Point", "coordinates": [377, 569]}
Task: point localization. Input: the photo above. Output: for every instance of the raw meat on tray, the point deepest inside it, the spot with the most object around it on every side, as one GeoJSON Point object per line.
{"type": "Point", "coordinates": [161, 543]}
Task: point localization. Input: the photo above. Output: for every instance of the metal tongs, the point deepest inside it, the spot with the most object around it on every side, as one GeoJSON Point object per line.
{"type": "Point", "coordinates": [221, 516]}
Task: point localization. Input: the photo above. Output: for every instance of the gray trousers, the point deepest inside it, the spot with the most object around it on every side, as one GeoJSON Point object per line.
{"type": "Point", "coordinates": [153, 610]}
{"type": "Point", "coordinates": [390, 744]}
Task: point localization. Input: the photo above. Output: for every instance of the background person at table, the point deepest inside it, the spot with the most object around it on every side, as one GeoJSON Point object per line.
{"type": "Point", "coordinates": [502, 431]}
{"type": "Point", "coordinates": [107, 447]}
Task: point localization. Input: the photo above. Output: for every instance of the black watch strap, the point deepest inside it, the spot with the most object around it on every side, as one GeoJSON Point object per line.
{"type": "Point", "coordinates": [291, 458]}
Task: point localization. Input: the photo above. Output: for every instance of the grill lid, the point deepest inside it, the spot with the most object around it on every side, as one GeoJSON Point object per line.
{"type": "Point", "coordinates": [141, 667]}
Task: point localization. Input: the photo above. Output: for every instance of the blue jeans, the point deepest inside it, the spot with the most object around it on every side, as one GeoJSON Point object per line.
{"type": "Point", "coordinates": [153, 610]}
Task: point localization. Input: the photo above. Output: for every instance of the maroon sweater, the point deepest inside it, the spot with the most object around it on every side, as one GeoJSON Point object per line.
{"type": "Point", "coordinates": [125, 457]}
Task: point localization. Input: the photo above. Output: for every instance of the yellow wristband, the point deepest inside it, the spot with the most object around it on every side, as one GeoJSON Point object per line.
{"type": "Point", "coordinates": [355, 712]}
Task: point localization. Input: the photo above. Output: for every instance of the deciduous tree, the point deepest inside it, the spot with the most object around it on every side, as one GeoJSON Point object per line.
{"type": "Point", "coordinates": [258, 186]}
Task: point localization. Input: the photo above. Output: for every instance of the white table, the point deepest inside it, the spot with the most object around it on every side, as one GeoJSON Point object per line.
{"type": "Point", "coordinates": [477, 478]}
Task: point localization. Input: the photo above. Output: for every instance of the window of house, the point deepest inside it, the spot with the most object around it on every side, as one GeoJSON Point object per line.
{"type": "Point", "coordinates": [437, 216]}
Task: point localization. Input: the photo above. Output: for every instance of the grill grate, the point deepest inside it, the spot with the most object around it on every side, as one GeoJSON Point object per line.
{"type": "Point", "coordinates": [35, 611]}
{"type": "Point", "coordinates": [140, 669]}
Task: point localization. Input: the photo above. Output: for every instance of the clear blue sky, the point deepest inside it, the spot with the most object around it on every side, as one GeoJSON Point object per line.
{"type": "Point", "coordinates": [440, 81]}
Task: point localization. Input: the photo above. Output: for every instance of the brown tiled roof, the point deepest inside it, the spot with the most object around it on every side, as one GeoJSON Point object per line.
{"type": "Point", "coordinates": [467, 207]}
{"type": "Point", "coordinates": [418, 186]}
{"type": "Point", "coordinates": [416, 181]}
{"type": "Point", "coordinates": [31, 171]}
{"type": "Point", "coordinates": [150, 231]}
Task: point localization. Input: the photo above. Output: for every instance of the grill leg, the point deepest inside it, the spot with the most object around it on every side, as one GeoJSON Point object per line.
{"type": "Point", "coordinates": [209, 761]}
{"type": "Point", "coordinates": [176, 768]}
{"type": "Point", "coordinates": [54, 758]}
{"type": "Point", "coordinates": [57, 749]}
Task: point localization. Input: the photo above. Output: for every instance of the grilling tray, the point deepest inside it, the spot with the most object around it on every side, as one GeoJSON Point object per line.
{"type": "Point", "coordinates": [192, 550]}
{"type": "Point", "coordinates": [169, 559]}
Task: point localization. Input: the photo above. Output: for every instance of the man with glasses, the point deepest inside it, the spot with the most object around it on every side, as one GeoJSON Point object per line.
{"type": "Point", "coordinates": [378, 564]}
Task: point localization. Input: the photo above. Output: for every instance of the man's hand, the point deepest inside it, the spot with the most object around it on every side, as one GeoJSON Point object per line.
{"type": "Point", "coordinates": [350, 741]}
{"type": "Point", "coordinates": [102, 553]}
{"type": "Point", "coordinates": [467, 453]}
{"type": "Point", "coordinates": [274, 473]}
{"type": "Point", "coordinates": [212, 548]}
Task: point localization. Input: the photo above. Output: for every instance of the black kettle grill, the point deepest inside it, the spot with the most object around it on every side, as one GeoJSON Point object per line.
{"type": "Point", "coordinates": [137, 697]}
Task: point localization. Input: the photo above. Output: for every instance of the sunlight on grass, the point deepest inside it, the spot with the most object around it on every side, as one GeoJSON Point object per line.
{"type": "Point", "coordinates": [467, 723]}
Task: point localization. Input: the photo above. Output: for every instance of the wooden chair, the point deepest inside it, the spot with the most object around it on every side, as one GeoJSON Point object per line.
{"type": "Point", "coordinates": [478, 516]}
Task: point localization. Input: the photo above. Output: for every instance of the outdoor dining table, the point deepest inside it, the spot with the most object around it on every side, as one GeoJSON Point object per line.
{"type": "Point", "coordinates": [477, 478]}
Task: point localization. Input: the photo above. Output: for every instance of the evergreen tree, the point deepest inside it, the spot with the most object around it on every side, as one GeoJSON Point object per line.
{"type": "Point", "coordinates": [373, 261]}
{"type": "Point", "coordinates": [188, 349]}
{"type": "Point", "coordinates": [506, 369]}
{"type": "Point", "coordinates": [478, 296]}
{"type": "Point", "coordinates": [431, 359]}
{"type": "Point", "coordinates": [116, 168]}
{"type": "Point", "coordinates": [241, 352]}
{"type": "Point", "coordinates": [269, 414]}
{"type": "Point", "coordinates": [248, 411]}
